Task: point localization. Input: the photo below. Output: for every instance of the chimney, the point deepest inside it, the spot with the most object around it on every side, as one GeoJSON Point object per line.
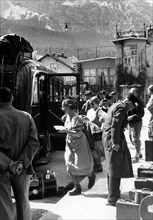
{"type": "Point", "coordinates": [54, 54]}
{"type": "Point", "coordinates": [63, 55]}
{"type": "Point", "coordinates": [49, 49]}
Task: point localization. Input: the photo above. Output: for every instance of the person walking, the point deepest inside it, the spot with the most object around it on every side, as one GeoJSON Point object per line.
{"type": "Point", "coordinates": [135, 124]}
{"type": "Point", "coordinates": [113, 97]}
{"type": "Point", "coordinates": [78, 157]}
{"type": "Point", "coordinates": [97, 116]}
{"type": "Point", "coordinates": [117, 154]}
{"type": "Point", "coordinates": [86, 106]}
{"type": "Point", "coordinates": [102, 95]}
{"type": "Point", "coordinates": [149, 107]}
{"type": "Point", "coordinates": [18, 146]}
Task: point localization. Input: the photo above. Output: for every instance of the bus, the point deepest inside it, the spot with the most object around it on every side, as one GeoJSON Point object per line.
{"type": "Point", "coordinates": [38, 90]}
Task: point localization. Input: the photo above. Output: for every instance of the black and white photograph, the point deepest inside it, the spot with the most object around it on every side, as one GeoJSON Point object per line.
{"type": "Point", "coordinates": [76, 109]}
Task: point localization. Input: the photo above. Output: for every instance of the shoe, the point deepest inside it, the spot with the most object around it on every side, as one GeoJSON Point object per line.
{"type": "Point", "coordinates": [140, 156]}
{"type": "Point", "coordinates": [69, 186]}
{"type": "Point", "coordinates": [76, 191]}
{"type": "Point", "coordinates": [98, 168]}
{"type": "Point", "coordinates": [111, 204]}
{"type": "Point", "coordinates": [92, 179]}
{"type": "Point", "coordinates": [135, 160]}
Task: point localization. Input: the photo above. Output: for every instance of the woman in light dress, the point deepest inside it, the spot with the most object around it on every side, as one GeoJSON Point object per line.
{"type": "Point", "coordinates": [78, 157]}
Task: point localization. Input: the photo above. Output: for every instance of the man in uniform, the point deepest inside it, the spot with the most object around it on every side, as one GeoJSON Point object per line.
{"type": "Point", "coordinates": [117, 154]}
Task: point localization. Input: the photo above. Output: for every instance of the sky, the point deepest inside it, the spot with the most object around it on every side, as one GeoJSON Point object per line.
{"type": "Point", "coordinates": [151, 1]}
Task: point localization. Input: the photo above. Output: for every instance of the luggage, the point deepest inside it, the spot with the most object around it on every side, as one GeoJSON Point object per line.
{"type": "Point", "coordinates": [137, 195]}
{"type": "Point", "coordinates": [35, 190]}
{"type": "Point", "coordinates": [13, 50]}
{"type": "Point", "coordinates": [42, 185]}
{"type": "Point", "coordinates": [11, 45]}
{"type": "Point", "coordinates": [141, 183]}
{"type": "Point", "coordinates": [146, 208]}
{"type": "Point", "coordinates": [50, 184]}
{"type": "Point", "coordinates": [148, 150]}
{"type": "Point", "coordinates": [145, 171]}
{"type": "Point", "coordinates": [127, 210]}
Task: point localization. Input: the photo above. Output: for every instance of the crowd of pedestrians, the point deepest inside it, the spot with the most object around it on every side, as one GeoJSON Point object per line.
{"type": "Point", "coordinates": [106, 117]}
{"type": "Point", "coordinates": [112, 117]}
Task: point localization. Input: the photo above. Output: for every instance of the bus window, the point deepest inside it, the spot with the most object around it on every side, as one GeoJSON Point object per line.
{"type": "Point", "coordinates": [56, 89]}
{"type": "Point", "coordinates": [38, 88]}
{"type": "Point", "coordinates": [35, 98]}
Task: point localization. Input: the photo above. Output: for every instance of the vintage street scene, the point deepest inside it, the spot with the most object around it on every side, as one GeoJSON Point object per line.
{"type": "Point", "coordinates": [76, 109]}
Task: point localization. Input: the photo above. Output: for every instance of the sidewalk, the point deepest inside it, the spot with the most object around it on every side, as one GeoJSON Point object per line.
{"type": "Point", "coordinates": [91, 204]}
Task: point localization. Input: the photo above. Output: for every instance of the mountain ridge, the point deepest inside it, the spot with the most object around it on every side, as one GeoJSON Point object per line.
{"type": "Point", "coordinates": [89, 22]}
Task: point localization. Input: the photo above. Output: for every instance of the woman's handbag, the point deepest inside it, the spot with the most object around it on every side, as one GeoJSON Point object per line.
{"type": "Point", "coordinates": [97, 136]}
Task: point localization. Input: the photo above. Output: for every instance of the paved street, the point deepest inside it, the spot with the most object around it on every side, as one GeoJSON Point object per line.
{"type": "Point", "coordinates": [91, 204]}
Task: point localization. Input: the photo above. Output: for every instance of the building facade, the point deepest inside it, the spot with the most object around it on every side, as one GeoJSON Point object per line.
{"type": "Point", "coordinates": [60, 65]}
{"type": "Point", "coordinates": [99, 73]}
{"type": "Point", "coordinates": [134, 61]}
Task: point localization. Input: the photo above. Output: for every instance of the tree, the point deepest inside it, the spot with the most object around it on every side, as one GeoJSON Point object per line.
{"type": "Point", "coordinates": [125, 78]}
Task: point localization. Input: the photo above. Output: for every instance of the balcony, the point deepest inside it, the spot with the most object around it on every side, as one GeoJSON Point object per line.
{"type": "Point", "coordinates": [130, 33]}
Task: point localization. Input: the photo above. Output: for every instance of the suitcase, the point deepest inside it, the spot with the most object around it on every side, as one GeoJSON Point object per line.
{"type": "Point", "coordinates": [140, 183]}
{"type": "Point", "coordinates": [146, 208]}
{"type": "Point", "coordinates": [42, 185]}
{"type": "Point", "coordinates": [127, 210]}
{"type": "Point", "coordinates": [148, 150]}
{"type": "Point", "coordinates": [50, 184]}
{"type": "Point", "coordinates": [35, 189]}
{"type": "Point", "coordinates": [137, 195]}
{"type": "Point", "coordinates": [145, 171]}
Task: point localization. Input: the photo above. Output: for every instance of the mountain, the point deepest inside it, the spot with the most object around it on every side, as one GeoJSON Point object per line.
{"type": "Point", "coordinates": [72, 24]}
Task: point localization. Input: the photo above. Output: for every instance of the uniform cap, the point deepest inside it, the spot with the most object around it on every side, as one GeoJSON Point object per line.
{"type": "Point", "coordinates": [132, 98]}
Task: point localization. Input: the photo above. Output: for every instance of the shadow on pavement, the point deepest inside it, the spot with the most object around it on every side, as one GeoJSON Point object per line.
{"type": "Point", "coordinates": [51, 216]}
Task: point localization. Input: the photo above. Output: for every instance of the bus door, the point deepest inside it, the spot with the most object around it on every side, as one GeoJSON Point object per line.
{"type": "Point", "coordinates": [48, 93]}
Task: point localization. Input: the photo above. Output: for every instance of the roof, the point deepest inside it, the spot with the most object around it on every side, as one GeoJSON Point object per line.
{"type": "Point", "coordinates": [57, 59]}
{"type": "Point", "coordinates": [94, 59]}
{"type": "Point", "coordinates": [129, 38]}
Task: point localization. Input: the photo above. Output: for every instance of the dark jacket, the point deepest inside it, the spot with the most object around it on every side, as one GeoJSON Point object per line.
{"type": "Point", "coordinates": [137, 113]}
{"type": "Point", "coordinates": [118, 163]}
{"type": "Point", "coordinates": [86, 106]}
{"type": "Point", "coordinates": [18, 138]}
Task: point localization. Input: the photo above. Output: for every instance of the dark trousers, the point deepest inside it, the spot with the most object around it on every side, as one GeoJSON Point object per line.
{"type": "Point", "coordinates": [20, 186]}
{"type": "Point", "coordinates": [113, 188]}
{"type": "Point", "coordinates": [135, 133]}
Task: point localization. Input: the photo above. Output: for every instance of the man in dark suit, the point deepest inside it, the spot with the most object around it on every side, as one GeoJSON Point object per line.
{"type": "Point", "coordinates": [117, 154]}
{"type": "Point", "coordinates": [18, 146]}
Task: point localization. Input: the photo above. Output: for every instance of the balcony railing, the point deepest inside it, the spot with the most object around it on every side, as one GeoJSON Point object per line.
{"type": "Point", "coordinates": [130, 33]}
